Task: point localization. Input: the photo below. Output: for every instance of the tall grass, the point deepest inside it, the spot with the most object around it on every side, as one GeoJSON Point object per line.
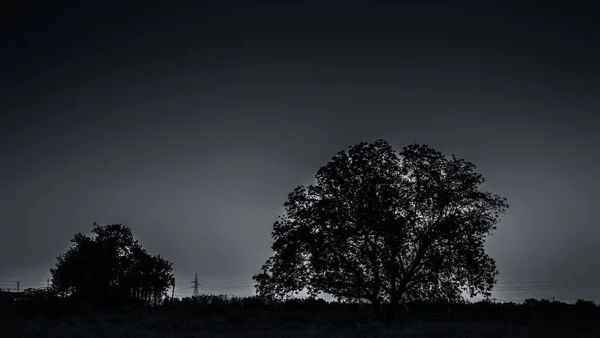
{"type": "Point", "coordinates": [219, 316]}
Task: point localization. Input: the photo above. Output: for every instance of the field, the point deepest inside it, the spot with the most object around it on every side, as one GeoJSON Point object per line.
{"type": "Point", "coordinates": [211, 316]}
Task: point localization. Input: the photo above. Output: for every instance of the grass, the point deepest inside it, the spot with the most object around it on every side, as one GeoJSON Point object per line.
{"type": "Point", "coordinates": [218, 317]}
{"type": "Point", "coordinates": [199, 328]}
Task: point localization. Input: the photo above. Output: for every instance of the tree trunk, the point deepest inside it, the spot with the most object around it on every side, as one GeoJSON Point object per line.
{"type": "Point", "coordinates": [391, 309]}
{"type": "Point", "coordinates": [389, 316]}
{"type": "Point", "coordinates": [377, 308]}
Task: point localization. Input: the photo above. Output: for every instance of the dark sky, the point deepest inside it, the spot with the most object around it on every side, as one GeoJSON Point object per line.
{"type": "Point", "coordinates": [191, 122]}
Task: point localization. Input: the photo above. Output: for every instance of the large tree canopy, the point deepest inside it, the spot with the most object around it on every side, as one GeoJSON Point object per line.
{"type": "Point", "coordinates": [111, 266]}
{"type": "Point", "coordinates": [385, 227]}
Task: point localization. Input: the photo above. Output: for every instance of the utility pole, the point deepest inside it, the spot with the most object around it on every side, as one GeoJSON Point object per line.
{"type": "Point", "coordinates": [173, 291]}
{"type": "Point", "coordinates": [18, 284]}
{"type": "Point", "coordinates": [48, 283]}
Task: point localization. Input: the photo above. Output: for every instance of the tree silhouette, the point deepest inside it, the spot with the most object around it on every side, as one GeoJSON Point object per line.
{"type": "Point", "coordinates": [111, 267]}
{"type": "Point", "coordinates": [385, 227]}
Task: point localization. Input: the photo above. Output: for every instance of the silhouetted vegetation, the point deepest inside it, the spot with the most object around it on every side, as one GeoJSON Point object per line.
{"type": "Point", "coordinates": [379, 229]}
{"type": "Point", "coordinates": [51, 315]}
{"type": "Point", "coordinates": [385, 227]}
{"type": "Point", "coordinates": [111, 267]}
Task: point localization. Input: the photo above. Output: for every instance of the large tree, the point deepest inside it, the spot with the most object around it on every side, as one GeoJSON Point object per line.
{"type": "Point", "coordinates": [111, 266]}
{"type": "Point", "coordinates": [385, 227]}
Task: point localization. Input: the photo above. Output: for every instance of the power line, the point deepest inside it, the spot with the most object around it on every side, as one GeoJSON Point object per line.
{"type": "Point", "coordinates": [226, 286]}
{"type": "Point", "coordinates": [546, 287]}
{"type": "Point", "coordinates": [537, 282]}
{"type": "Point", "coordinates": [181, 289]}
{"type": "Point", "coordinates": [500, 286]}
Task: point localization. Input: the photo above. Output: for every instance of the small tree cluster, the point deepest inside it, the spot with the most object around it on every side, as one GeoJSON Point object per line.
{"type": "Point", "coordinates": [111, 266]}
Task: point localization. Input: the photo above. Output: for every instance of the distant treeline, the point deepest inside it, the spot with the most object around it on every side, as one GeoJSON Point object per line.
{"type": "Point", "coordinates": [43, 303]}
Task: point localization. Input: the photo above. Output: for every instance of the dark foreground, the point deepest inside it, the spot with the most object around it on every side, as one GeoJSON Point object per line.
{"type": "Point", "coordinates": [219, 317]}
{"type": "Point", "coordinates": [153, 327]}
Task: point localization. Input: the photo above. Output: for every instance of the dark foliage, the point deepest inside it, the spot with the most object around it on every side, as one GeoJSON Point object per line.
{"type": "Point", "coordinates": [213, 316]}
{"type": "Point", "coordinates": [111, 268]}
{"type": "Point", "coordinates": [385, 227]}
{"type": "Point", "coordinates": [47, 303]}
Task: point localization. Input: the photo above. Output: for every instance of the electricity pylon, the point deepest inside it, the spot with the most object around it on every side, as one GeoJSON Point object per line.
{"type": "Point", "coordinates": [196, 284]}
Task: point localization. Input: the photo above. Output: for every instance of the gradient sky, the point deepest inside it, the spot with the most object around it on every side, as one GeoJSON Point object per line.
{"type": "Point", "coordinates": [191, 122]}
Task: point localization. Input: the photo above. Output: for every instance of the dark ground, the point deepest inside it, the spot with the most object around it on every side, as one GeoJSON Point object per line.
{"type": "Point", "coordinates": [211, 316]}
